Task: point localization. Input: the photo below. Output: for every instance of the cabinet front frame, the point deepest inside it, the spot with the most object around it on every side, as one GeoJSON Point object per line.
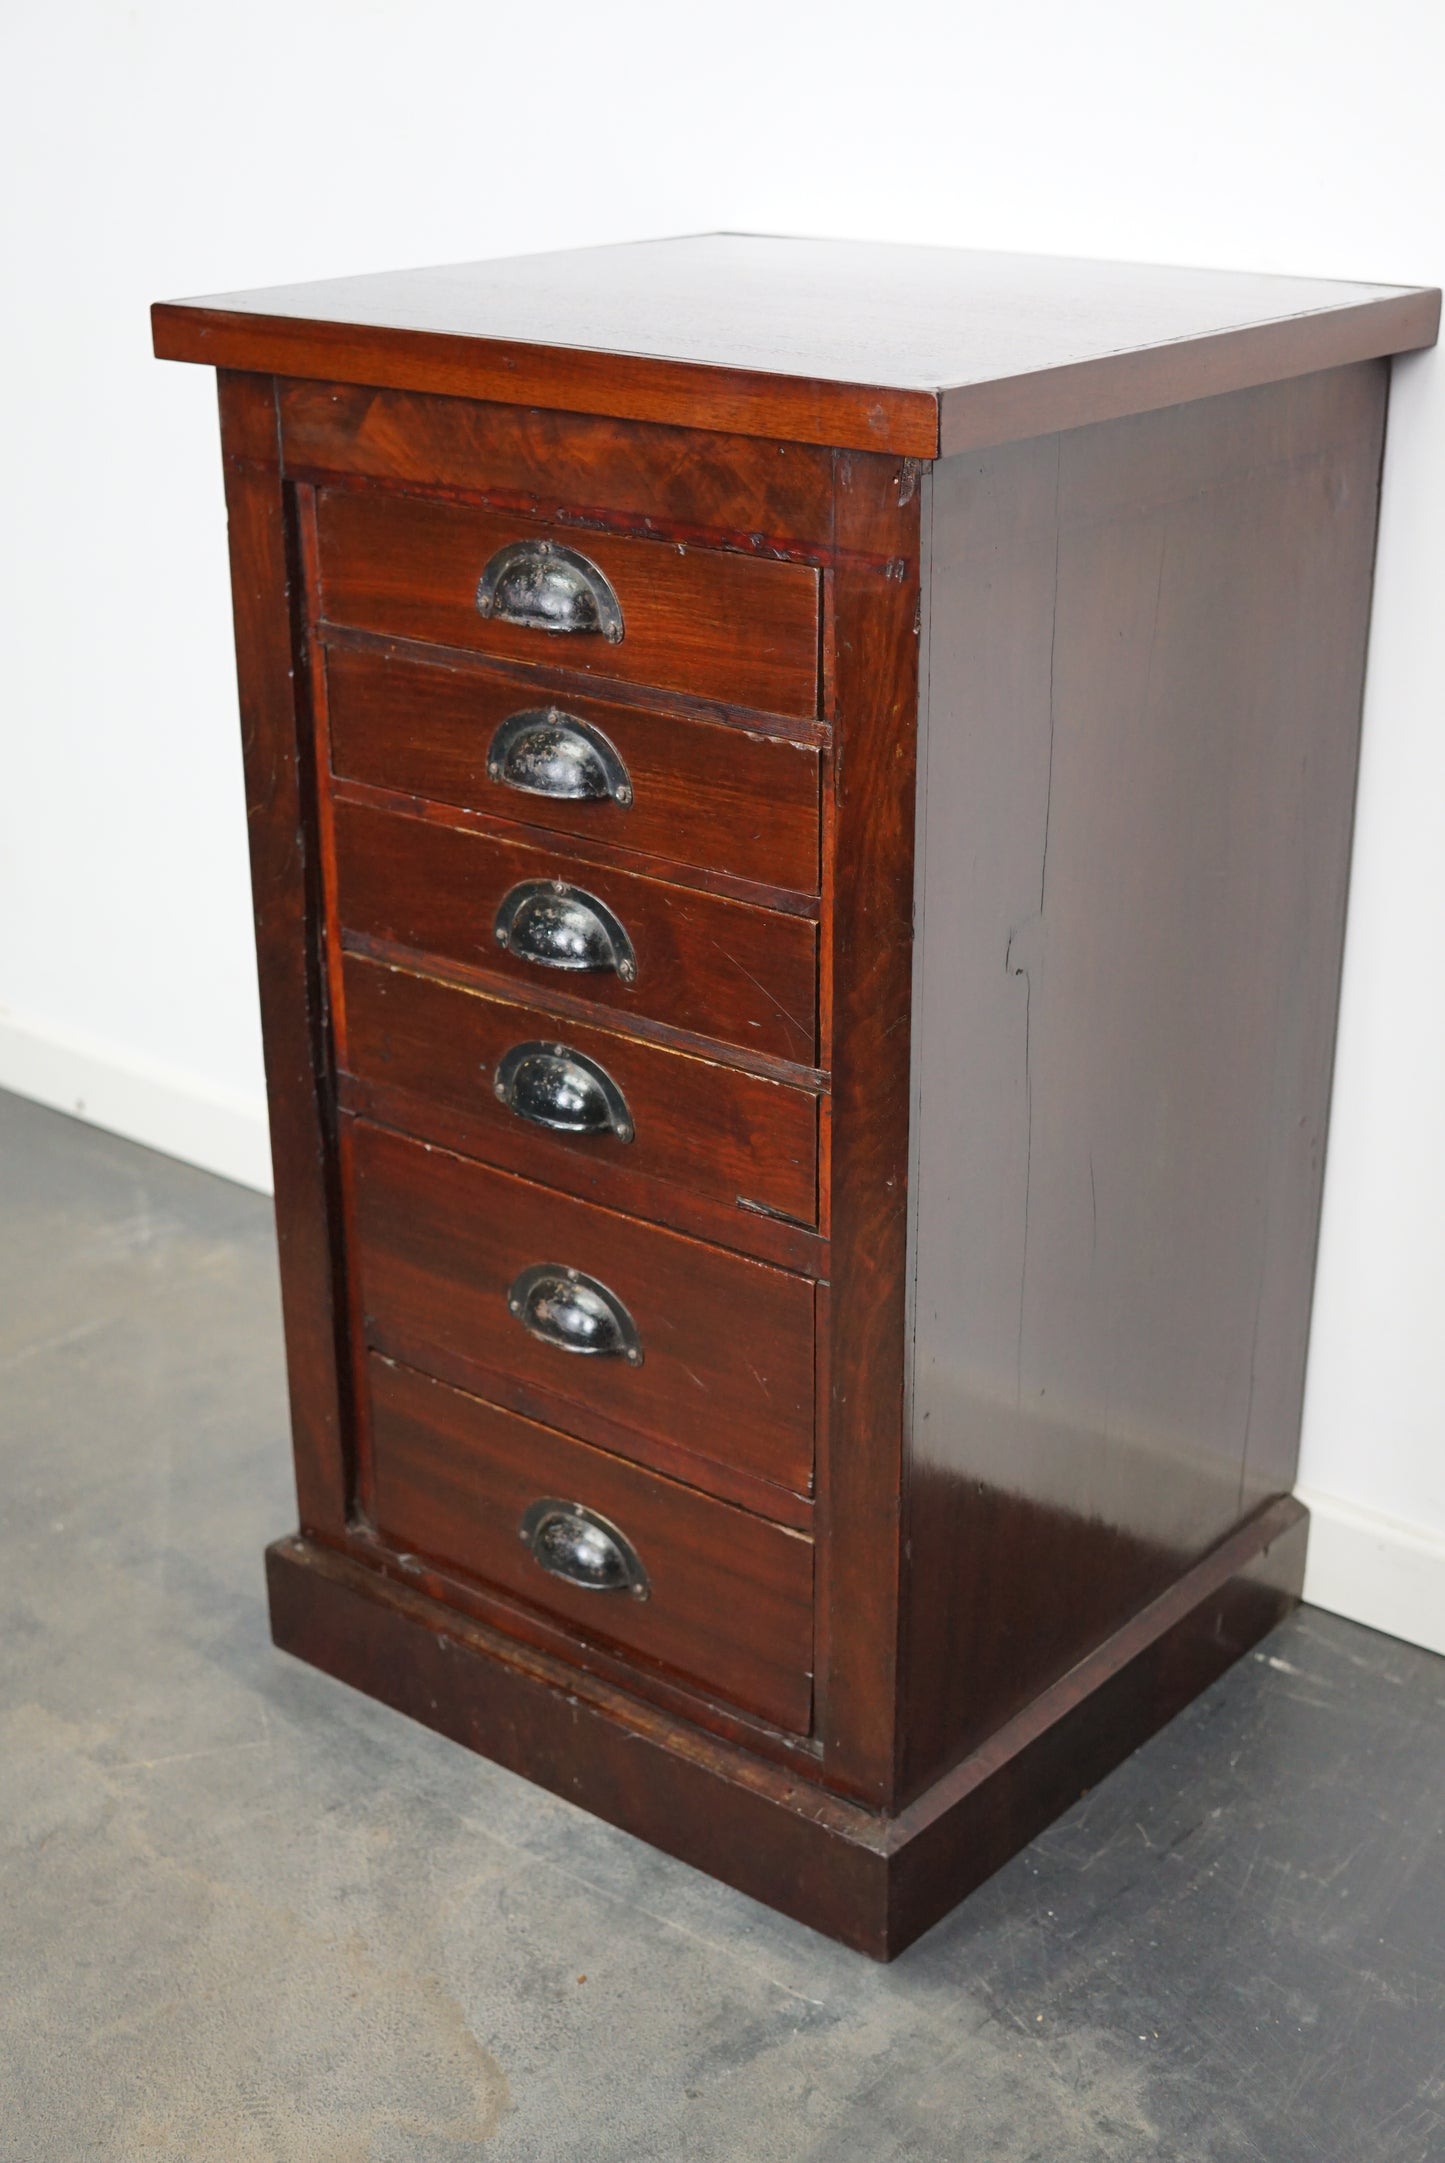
{"type": "Point", "coordinates": [870, 561]}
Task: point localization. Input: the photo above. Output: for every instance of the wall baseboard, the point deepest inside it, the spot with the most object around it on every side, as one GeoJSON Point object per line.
{"type": "Point", "coordinates": [176, 1113]}
{"type": "Point", "coordinates": [1375, 1570]}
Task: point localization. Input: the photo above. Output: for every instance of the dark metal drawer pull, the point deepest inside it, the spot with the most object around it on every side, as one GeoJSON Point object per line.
{"type": "Point", "coordinates": [545, 752]}
{"type": "Point", "coordinates": [562, 1089]}
{"type": "Point", "coordinates": [574, 1313]}
{"type": "Point", "coordinates": [545, 587]}
{"type": "Point", "coordinates": [560, 927]}
{"type": "Point", "coordinates": [576, 1544]}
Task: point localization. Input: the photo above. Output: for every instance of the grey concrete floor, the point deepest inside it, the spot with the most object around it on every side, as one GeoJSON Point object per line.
{"type": "Point", "coordinates": [247, 1916]}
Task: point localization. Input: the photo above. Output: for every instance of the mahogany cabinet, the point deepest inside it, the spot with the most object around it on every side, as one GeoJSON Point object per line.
{"type": "Point", "coordinates": [800, 803]}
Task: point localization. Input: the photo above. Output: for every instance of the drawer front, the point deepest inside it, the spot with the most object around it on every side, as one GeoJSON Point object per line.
{"type": "Point", "coordinates": [728, 1597]}
{"type": "Point", "coordinates": [694, 792]}
{"type": "Point", "coordinates": [666, 1115]}
{"type": "Point", "coordinates": [718, 968]}
{"type": "Point", "coordinates": [726, 1344]}
{"type": "Point", "coordinates": [737, 628]}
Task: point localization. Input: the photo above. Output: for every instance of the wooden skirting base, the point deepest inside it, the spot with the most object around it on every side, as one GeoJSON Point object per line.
{"type": "Point", "coordinates": [874, 1882]}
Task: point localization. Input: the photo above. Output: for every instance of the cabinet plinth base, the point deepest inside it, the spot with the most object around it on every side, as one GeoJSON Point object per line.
{"type": "Point", "coordinates": [872, 1880]}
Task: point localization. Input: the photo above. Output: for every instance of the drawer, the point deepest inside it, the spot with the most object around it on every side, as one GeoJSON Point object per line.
{"type": "Point", "coordinates": [692, 791]}
{"type": "Point", "coordinates": [634, 1106]}
{"type": "Point", "coordinates": [725, 1343]}
{"type": "Point", "coordinates": [717, 968]}
{"type": "Point", "coordinates": [728, 1596]}
{"type": "Point", "coordinates": [742, 629]}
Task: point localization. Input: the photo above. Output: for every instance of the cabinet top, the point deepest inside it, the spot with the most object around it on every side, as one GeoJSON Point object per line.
{"type": "Point", "coordinates": [860, 345]}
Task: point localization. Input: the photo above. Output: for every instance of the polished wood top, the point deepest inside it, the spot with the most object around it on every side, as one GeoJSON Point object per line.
{"type": "Point", "coordinates": [857, 344]}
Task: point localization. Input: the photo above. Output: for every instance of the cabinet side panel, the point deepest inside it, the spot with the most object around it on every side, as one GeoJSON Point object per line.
{"type": "Point", "coordinates": [273, 730]}
{"type": "Point", "coordinates": [1147, 652]}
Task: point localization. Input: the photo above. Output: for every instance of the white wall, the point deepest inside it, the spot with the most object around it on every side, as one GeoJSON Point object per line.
{"type": "Point", "coordinates": [168, 148]}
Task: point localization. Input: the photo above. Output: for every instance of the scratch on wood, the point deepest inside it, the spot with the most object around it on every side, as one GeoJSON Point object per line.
{"type": "Point", "coordinates": [772, 997]}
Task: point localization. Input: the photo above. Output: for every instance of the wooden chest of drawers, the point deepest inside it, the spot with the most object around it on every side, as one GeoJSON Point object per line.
{"type": "Point", "coordinates": [800, 804]}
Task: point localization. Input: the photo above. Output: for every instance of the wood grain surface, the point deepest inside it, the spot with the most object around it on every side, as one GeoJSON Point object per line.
{"type": "Point", "coordinates": [1144, 711]}
{"type": "Point", "coordinates": [721, 624]}
{"type": "Point", "coordinates": [583, 469]}
{"type": "Point", "coordinates": [727, 1372]}
{"type": "Point", "coordinates": [285, 890]}
{"type": "Point", "coordinates": [860, 345]}
{"type": "Point", "coordinates": [874, 1882]}
{"type": "Point", "coordinates": [707, 965]}
{"type": "Point", "coordinates": [730, 1596]}
{"type": "Point", "coordinates": [867, 994]}
{"type": "Point", "coordinates": [721, 798]}
{"type": "Point", "coordinates": [749, 1144]}
{"type": "Point", "coordinates": [989, 697]}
